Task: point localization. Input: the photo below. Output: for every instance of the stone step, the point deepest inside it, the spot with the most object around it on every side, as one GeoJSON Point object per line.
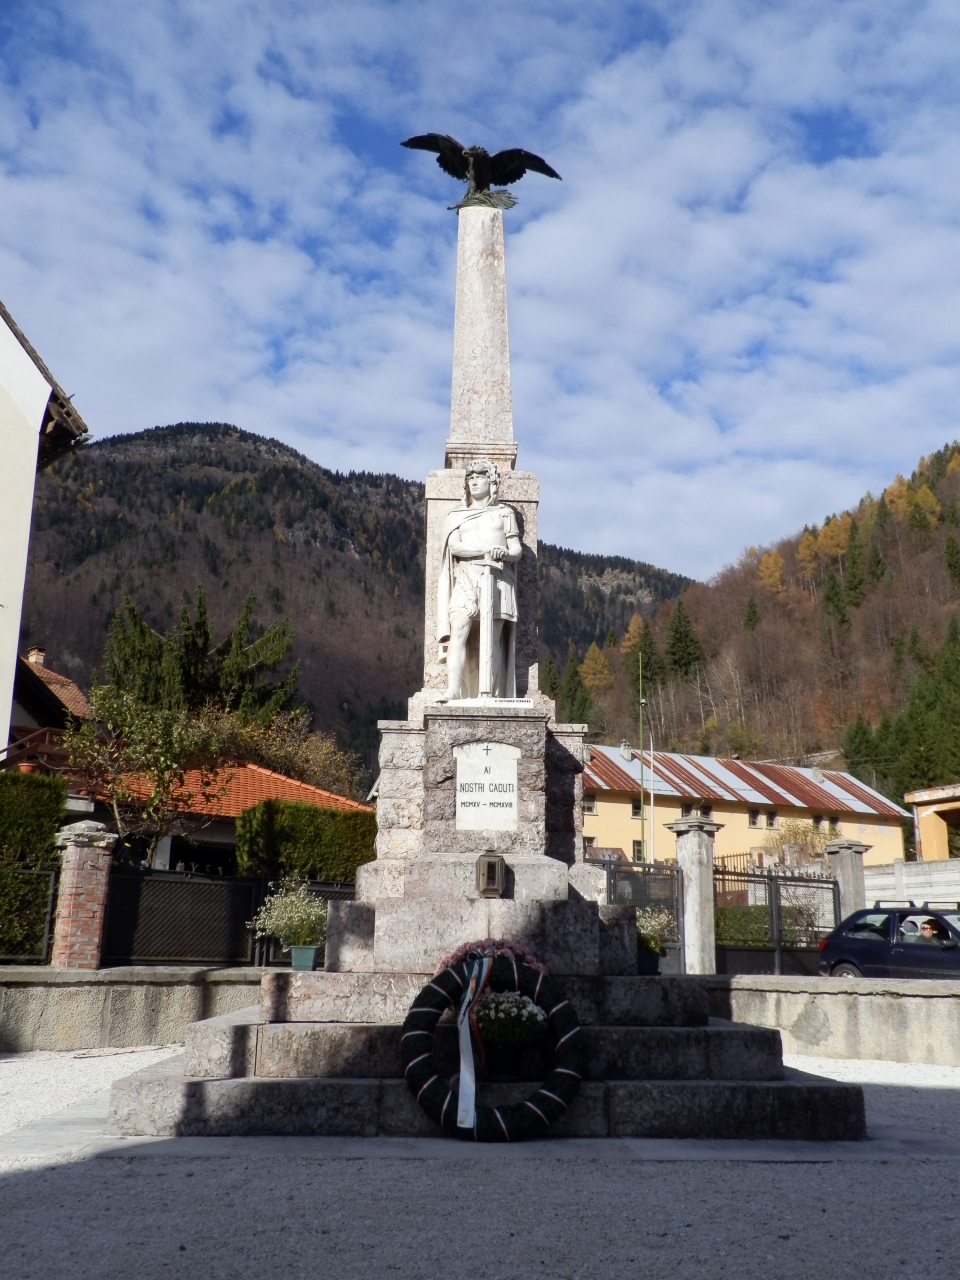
{"type": "Point", "coordinates": [286, 996]}
{"type": "Point", "coordinates": [723, 1051]}
{"type": "Point", "coordinates": [161, 1102]}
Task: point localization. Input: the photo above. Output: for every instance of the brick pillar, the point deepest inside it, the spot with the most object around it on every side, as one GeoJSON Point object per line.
{"type": "Point", "coordinates": [82, 906]}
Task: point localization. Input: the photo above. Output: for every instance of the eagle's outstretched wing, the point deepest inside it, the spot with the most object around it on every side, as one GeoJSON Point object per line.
{"type": "Point", "coordinates": [450, 155]}
{"type": "Point", "coordinates": [510, 166]}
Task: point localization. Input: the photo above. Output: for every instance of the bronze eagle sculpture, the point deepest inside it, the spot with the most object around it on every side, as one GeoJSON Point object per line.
{"type": "Point", "coordinates": [478, 167]}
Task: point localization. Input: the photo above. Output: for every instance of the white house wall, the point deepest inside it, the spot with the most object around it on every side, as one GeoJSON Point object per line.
{"type": "Point", "coordinates": [24, 393]}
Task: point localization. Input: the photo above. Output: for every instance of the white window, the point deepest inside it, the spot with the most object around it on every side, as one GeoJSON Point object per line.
{"type": "Point", "coordinates": [834, 826]}
{"type": "Point", "coordinates": [589, 804]}
{"type": "Point", "coordinates": [818, 822]}
{"type": "Point", "coordinates": [706, 811]}
{"type": "Point", "coordinates": [772, 821]}
{"type": "Point", "coordinates": [638, 851]}
{"type": "Point", "coordinates": [589, 842]}
{"type": "Point", "coordinates": [753, 817]}
{"type": "Point", "coordinates": [636, 809]}
{"type": "Point", "coordinates": [686, 811]}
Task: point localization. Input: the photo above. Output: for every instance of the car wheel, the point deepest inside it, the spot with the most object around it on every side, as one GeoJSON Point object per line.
{"type": "Point", "coordinates": [846, 970]}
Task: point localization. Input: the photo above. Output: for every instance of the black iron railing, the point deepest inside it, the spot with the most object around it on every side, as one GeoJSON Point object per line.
{"type": "Point", "coordinates": [774, 911]}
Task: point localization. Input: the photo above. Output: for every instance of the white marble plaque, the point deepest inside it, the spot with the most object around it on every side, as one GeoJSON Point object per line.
{"type": "Point", "coordinates": [486, 786]}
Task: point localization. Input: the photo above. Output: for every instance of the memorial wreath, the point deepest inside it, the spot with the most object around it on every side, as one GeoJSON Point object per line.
{"type": "Point", "coordinates": [463, 979]}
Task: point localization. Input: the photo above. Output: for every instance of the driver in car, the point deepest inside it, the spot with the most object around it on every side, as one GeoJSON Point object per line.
{"type": "Point", "coordinates": [930, 931]}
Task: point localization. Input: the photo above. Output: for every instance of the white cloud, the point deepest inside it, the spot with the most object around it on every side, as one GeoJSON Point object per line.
{"type": "Point", "coordinates": [736, 313]}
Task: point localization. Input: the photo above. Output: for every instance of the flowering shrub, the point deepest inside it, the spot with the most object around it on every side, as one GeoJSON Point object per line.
{"type": "Point", "coordinates": [292, 915]}
{"type": "Point", "coordinates": [508, 1019]}
{"type": "Point", "coordinates": [655, 928]}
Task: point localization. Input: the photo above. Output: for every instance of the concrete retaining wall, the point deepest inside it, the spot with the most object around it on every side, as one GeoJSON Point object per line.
{"type": "Point", "coordinates": [915, 1021]}
{"type": "Point", "coordinates": [918, 881]}
{"type": "Point", "coordinates": [43, 1008]}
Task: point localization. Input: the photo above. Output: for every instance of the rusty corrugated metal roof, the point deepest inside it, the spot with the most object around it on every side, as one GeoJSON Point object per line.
{"type": "Point", "coordinates": [699, 778]}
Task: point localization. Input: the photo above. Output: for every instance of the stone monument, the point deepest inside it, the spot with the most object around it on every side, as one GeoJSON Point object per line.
{"type": "Point", "coordinates": [480, 767]}
{"type": "Point", "coordinates": [479, 817]}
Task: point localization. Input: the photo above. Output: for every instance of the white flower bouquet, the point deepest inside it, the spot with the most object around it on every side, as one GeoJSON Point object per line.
{"type": "Point", "coordinates": [293, 915]}
{"type": "Point", "coordinates": [506, 1019]}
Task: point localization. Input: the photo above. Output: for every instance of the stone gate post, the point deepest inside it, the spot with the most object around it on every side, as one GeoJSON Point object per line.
{"type": "Point", "coordinates": [845, 859]}
{"type": "Point", "coordinates": [695, 860]}
{"type": "Point", "coordinates": [82, 906]}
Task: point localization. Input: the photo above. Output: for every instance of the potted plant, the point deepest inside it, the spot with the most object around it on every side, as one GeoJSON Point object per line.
{"type": "Point", "coordinates": [296, 918]}
{"type": "Point", "coordinates": [512, 1029]}
{"type": "Point", "coordinates": [655, 928]}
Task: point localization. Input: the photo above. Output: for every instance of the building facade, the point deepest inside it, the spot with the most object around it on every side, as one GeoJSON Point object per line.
{"type": "Point", "coordinates": [628, 803]}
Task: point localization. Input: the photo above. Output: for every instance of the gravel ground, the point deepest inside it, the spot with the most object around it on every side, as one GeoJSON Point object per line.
{"type": "Point", "coordinates": [33, 1085]}
{"type": "Point", "coordinates": [504, 1217]}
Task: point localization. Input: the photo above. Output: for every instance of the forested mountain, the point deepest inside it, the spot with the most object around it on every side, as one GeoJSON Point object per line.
{"type": "Point", "coordinates": [158, 513]}
{"type": "Point", "coordinates": [780, 654]}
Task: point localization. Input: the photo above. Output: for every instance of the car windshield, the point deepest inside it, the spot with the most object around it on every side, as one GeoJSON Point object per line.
{"type": "Point", "coordinates": [874, 927]}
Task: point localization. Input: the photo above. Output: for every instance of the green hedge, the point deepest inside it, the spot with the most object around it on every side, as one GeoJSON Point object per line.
{"type": "Point", "coordinates": [31, 814]}
{"type": "Point", "coordinates": [743, 926]}
{"type": "Point", "coordinates": [285, 837]}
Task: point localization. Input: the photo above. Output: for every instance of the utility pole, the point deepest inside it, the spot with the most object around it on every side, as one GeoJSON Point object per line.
{"type": "Point", "coordinates": [643, 801]}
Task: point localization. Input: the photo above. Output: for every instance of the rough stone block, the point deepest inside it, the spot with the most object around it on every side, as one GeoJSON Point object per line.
{"type": "Point", "coordinates": [394, 843]}
{"type": "Point", "coordinates": [676, 1002]}
{"type": "Point", "coordinates": [400, 783]}
{"type": "Point", "coordinates": [401, 745]}
{"type": "Point", "coordinates": [338, 997]}
{"type": "Point", "coordinates": [618, 940]}
{"type": "Point", "coordinates": [403, 812]}
{"type": "Point", "coordinates": [413, 935]}
{"type": "Point", "coordinates": [299, 1050]}
{"type": "Point", "coordinates": [736, 1109]}
{"type": "Point", "coordinates": [224, 1047]}
{"type": "Point", "coordinates": [350, 936]}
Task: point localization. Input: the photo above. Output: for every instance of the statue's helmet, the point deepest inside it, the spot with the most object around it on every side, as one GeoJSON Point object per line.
{"type": "Point", "coordinates": [483, 467]}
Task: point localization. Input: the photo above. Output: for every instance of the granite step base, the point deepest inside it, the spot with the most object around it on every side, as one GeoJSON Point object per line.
{"type": "Point", "coordinates": [160, 1102]}
{"type": "Point", "coordinates": [239, 1045]}
{"type": "Point", "coordinates": [287, 996]}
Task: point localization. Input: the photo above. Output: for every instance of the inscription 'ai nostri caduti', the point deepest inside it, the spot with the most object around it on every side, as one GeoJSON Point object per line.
{"type": "Point", "coordinates": [486, 786]}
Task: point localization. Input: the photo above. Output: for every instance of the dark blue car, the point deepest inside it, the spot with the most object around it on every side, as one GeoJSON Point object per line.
{"type": "Point", "coordinates": [895, 942]}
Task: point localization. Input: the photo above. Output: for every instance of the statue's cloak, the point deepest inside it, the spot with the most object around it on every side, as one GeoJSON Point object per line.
{"type": "Point", "coordinates": [454, 521]}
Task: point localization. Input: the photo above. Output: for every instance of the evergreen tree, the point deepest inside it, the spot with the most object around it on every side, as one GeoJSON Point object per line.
{"type": "Point", "coordinates": [612, 639]}
{"type": "Point", "coordinates": [853, 579]}
{"type": "Point", "coordinates": [858, 748]}
{"type": "Point", "coordinates": [644, 669]}
{"type": "Point", "coordinates": [751, 619]}
{"type": "Point", "coordinates": [882, 514]}
{"type": "Point", "coordinates": [951, 554]}
{"type": "Point", "coordinates": [549, 677]}
{"type": "Point", "coordinates": [573, 704]}
{"type": "Point", "coordinates": [875, 567]}
{"type": "Point", "coordinates": [684, 650]}
{"type": "Point", "coordinates": [832, 604]}
{"type": "Point", "coordinates": [183, 670]}
{"type": "Point", "coordinates": [921, 746]}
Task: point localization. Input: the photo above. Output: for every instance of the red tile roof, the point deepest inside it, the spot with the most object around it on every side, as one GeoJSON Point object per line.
{"type": "Point", "coordinates": [71, 695]}
{"type": "Point", "coordinates": [248, 784]}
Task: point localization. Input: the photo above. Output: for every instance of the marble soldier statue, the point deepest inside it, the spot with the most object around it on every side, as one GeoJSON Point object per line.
{"type": "Point", "coordinates": [480, 539]}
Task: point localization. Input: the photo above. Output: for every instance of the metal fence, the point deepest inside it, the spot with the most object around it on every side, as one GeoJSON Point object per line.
{"type": "Point", "coordinates": [180, 917]}
{"type": "Point", "coordinates": [29, 900]}
{"type": "Point", "coordinates": [655, 889]}
{"type": "Point", "coordinates": [772, 920]}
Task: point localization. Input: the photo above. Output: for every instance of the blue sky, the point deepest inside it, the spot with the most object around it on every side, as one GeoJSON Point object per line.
{"type": "Point", "coordinates": [737, 313]}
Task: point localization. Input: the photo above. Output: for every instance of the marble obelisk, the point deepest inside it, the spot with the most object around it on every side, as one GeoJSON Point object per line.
{"type": "Point", "coordinates": [481, 426]}
{"type": "Point", "coordinates": [467, 779]}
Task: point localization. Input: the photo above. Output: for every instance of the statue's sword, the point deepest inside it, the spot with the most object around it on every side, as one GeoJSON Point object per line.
{"type": "Point", "coordinates": [487, 587]}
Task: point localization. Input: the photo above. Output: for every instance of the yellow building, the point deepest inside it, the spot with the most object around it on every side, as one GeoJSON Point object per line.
{"type": "Point", "coordinates": [936, 812]}
{"type": "Point", "coordinates": [750, 801]}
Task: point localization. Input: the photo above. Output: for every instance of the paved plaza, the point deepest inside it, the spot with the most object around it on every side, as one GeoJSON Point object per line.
{"type": "Point", "coordinates": [77, 1203]}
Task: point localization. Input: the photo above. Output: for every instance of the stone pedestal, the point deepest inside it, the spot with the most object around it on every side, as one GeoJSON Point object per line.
{"type": "Point", "coordinates": [419, 900]}
{"type": "Point", "coordinates": [845, 859]}
{"type": "Point", "coordinates": [84, 883]}
{"type": "Point", "coordinates": [695, 860]}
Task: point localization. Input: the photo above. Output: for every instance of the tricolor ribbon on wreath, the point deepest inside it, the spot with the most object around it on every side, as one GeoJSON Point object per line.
{"type": "Point", "coordinates": [478, 975]}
